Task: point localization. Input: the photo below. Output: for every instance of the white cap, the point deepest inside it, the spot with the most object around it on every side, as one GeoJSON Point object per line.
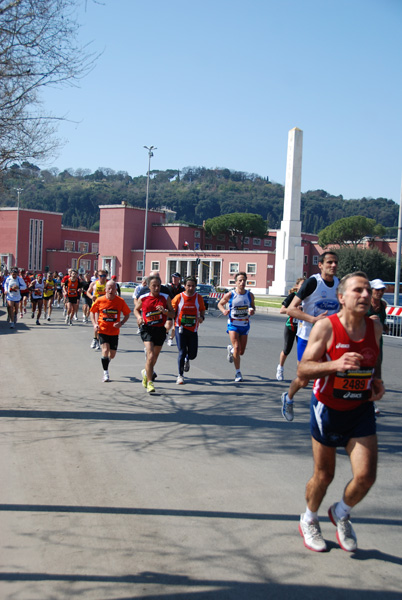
{"type": "Point", "coordinates": [377, 284]}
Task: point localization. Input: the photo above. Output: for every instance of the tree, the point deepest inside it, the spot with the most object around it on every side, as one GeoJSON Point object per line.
{"type": "Point", "coordinates": [237, 226]}
{"type": "Point", "coordinates": [349, 231]}
{"type": "Point", "coordinates": [373, 262]}
{"type": "Point", "coordinates": [38, 48]}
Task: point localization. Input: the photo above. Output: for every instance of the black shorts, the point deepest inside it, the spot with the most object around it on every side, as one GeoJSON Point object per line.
{"type": "Point", "coordinates": [156, 335]}
{"type": "Point", "coordinates": [88, 301]}
{"type": "Point", "coordinates": [72, 299]}
{"type": "Point", "coordinates": [288, 341]}
{"type": "Point", "coordinates": [112, 340]}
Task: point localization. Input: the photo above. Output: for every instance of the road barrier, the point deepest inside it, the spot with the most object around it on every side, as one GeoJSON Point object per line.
{"type": "Point", "coordinates": [394, 321]}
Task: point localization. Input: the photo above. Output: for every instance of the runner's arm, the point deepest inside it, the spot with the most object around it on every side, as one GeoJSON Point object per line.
{"type": "Point", "coordinates": [222, 302]}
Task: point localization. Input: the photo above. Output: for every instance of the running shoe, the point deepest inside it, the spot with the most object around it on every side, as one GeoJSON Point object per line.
{"type": "Point", "coordinates": [21, 315]}
{"type": "Point", "coordinates": [48, 318]}
{"type": "Point", "coordinates": [25, 310]}
{"type": "Point", "coordinates": [150, 388]}
{"type": "Point", "coordinates": [238, 377]}
{"type": "Point", "coordinates": [287, 407]}
{"type": "Point", "coordinates": [230, 355]}
{"type": "Point", "coordinates": [312, 536]}
{"type": "Point", "coordinates": [144, 378]}
{"type": "Point", "coordinates": [376, 409]}
{"type": "Point", "coordinates": [170, 342]}
{"type": "Point", "coordinates": [75, 318]}
{"type": "Point", "coordinates": [11, 325]}
{"type": "Point", "coordinates": [279, 373]}
{"type": "Point", "coordinates": [32, 315]}
{"type": "Point", "coordinates": [67, 319]}
{"type": "Point", "coordinates": [179, 380]}
{"type": "Point", "coordinates": [106, 377]}
{"type": "Point", "coordinates": [138, 331]}
{"type": "Point", "coordinates": [344, 531]}
{"type": "Point", "coordinates": [94, 343]}
{"type": "Point", "coordinates": [37, 322]}
{"type": "Point", "coordinates": [186, 365]}
{"type": "Point", "coordinates": [98, 346]}
{"type": "Point", "coordinates": [154, 376]}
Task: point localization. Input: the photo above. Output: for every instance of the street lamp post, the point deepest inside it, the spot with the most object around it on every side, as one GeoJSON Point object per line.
{"type": "Point", "coordinates": [150, 155]}
{"type": "Point", "coordinates": [18, 190]}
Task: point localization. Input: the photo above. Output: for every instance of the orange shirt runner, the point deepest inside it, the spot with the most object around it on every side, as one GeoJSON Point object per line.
{"type": "Point", "coordinates": [109, 313]}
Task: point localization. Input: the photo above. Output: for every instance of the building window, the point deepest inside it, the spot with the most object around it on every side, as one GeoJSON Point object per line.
{"type": "Point", "coordinates": [74, 263]}
{"type": "Point", "coordinates": [86, 265]}
{"type": "Point", "coordinates": [197, 233]}
{"type": "Point", "coordinates": [251, 268]}
{"type": "Point", "coordinates": [208, 247]}
{"type": "Point", "coordinates": [256, 242]}
{"type": "Point", "coordinates": [246, 240]}
{"type": "Point", "coordinates": [69, 246]}
{"type": "Point", "coordinates": [220, 247]}
{"type": "Point", "coordinates": [140, 265]}
{"type": "Point", "coordinates": [315, 260]}
{"type": "Point", "coordinates": [233, 268]}
{"type": "Point", "coordinates": [154, 266]}
{"type": "Point", "coordinates": [197, 246]}
{"type": "Point", "coordinates": [251, 282]}
{"type": "Point", "coordinates": [220, 237]}
{"type": "Point", "coordinates": [232, 282]}
{"type": "Point", "coordinates": [305, 259]}
{"type": "Point", "coordinates": [208, 236]}
{"type": "Point", "coordinates": [233, 248]}
{"type": "Point", "coordinates": [35, 244]}
{"type": "Point", "coordinates": [268, 243]}
{"type": "Point", "coordinates": [94, 247]}
{"type": "Point", "coordinates": [83, 247]}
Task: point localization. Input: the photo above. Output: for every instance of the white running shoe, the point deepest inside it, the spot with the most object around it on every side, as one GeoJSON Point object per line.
{"type": "Point", "coordinates": [312, 536]}
{"type": "Point", "coordinates": [179, 380]}
{"type": "Point", "coordinates": [106, 377]}
{"type": "Point", "coordinates": [279, 373]}
{"type": "Point", "coordinates": [238, 377]}
{"type": "Point", "coordinates": [344, 531]}
{"type": "Point", "coordinates": [67, 320]}
{"type": "Point", "coordinates": [287, 407]}
{"type": "Point", "coordinates": [94, 343]}
{"type": "Point", "coordinates": [170, 342]}
{"type": "Point", "coordinates": [230, 355]}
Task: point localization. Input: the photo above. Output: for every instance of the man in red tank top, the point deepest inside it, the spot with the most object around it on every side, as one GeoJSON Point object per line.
{"type": "Point", "coordinates": [341, 356]}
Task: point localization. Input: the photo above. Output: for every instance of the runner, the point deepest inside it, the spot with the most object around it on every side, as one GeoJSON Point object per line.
{"type": "Point", "coordinates": [151, 311]}
{"type": "Point", "coordinates": [105, 316]}
{"type": "Point", "coordinates": [290, 329]}
{"type": "Point", "coordinates": [97, 289]}
{"type": "Point", "coordinates": [174, 288]}
{"type": "Point", "coordinates": [87, 300]}
{"type": "Point", "coordinates": [72, 289]}
{"type": "Point", "coordinates": [376, 311]}
{"type": "Point", "coordinates": [24, 293]}
{"type": "Point", "coordinates": [48, 294]}
{"type": "Point", "coordinates": [317, 298]}
{"type": "Point", "coordinates": [36, 288]}
{"type": "Point", "coordinates": [59, 290]}
{"type": "Point", "coordinates": [12, 291]}
{"type": "Point", "coordinates": [341, 355]}
{"type": "Point", "coordinates": [190, 312]}
{"type": "Point", "coordinates": [241, 307]}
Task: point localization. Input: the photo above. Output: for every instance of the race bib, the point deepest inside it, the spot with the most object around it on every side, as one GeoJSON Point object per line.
{"type": "Point", "coordinates": [188, 320]}
{"type": "Point", "coordinates": [353, 385]}
{"type": "Point", "coordinates": [240, 312]}
{"type": "Point", "coordinates": [153, 317]}
{"type": "Point", "coordinates": [110, 315]}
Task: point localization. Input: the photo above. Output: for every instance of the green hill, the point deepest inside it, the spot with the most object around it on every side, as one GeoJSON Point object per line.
{"type": "Point", "coordinates": [195, 193]}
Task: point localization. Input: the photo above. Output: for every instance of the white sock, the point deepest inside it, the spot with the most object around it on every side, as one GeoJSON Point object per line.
{"type": "Point", "coordinates": [342, 510]}
{"type": "Point", "coordinates": [310, 516]}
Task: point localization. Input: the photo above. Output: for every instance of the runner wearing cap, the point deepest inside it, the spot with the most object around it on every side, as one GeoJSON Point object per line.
{"type": "Point", "coordinates": [37, 287]}
{"type": "Point", "coordinates": [377, 312]}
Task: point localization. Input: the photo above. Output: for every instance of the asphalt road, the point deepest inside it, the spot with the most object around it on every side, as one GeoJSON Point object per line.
{"type": "Point", "coordinates": [192, 493]}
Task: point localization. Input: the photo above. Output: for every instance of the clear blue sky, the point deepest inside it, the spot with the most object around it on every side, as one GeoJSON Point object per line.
{"type": "Point", "coordinates": [219, 83]}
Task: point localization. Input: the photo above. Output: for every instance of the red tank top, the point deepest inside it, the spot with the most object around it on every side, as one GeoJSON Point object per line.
{"type": "Point", "coordinates": [150, 314]}
{"type": "Point", "coordinates": [347, 390]}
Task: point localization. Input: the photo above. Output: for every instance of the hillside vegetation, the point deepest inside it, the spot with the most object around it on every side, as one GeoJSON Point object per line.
{"type": "Point", "coordinates": [195, 193]}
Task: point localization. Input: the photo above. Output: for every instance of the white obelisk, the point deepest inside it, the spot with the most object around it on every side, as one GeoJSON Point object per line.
{"type": "Point", "coordinates": [289, 250]}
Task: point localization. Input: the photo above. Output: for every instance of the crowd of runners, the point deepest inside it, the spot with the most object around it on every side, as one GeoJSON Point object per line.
{"type": "Point", "coordinates": [338, 326]}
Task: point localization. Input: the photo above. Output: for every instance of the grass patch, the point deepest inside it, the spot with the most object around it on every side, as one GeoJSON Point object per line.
{"type": "Point", "coordinates": [274, 302]}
